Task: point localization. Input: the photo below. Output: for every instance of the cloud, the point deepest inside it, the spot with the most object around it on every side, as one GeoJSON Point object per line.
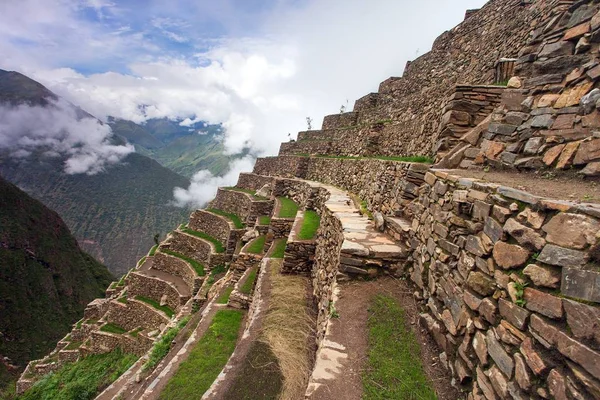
{"type": "Point", "coordinates": [204, 185]}
{"type": "Point", "coordinates": [56, 131]}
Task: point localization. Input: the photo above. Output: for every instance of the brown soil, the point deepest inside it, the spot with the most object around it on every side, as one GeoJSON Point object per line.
{"type": "Point", "coordinates": [352, 331]}
{"type": "Point", "coordinates": [560, 185]}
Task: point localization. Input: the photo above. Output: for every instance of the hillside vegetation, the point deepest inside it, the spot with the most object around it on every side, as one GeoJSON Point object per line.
{"type": "Point", "coordinates": [46, 280]}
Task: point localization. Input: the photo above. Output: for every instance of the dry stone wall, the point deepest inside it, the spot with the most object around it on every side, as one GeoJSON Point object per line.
{"type": "Point", "coordinates": [135, 314]}
{"type": "Point", "coordinates": [214, 225]}
{"type": "Point", "coordinates": [188, 245]}
{"type": "Point", "coordinates": [155, 289]}
{"type": "Point", "coordinates": [178, 267]}
{"type": "Point", "coordinates": [299, 254]}
{"type": "Point", "coordinates": [233, 202]}
{"type": "Point", "coordinates": [507, 278]}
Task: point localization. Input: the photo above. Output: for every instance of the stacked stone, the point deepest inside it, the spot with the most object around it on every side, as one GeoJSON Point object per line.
{"type": "Point", "coordinates": [550, 119]}
{"type": "Point", "coordinates": [508, 278]}
{"type": "Point", "coordinates": [242, 204]}
{"type": "Point", "coordinates": [299, 254]}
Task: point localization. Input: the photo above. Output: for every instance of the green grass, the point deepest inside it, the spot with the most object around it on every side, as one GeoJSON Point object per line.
{"type": "Point", "coordinates": [199, 268]}
{"type": "Point", "coordinates": [113, 285]}
{"type": "Point", "coordinates": [288, 208]}
{"type": "Point", "coordinates": [79, 323]}
{"type": "Point", "coordinates": [237, 221]}
{"type": "Point", "coordinates": [111, 327]}
{"type": "Point", "coordinates": [122, 299]}
{"type": "Point", "coordinates": [224, 297]}
{"type": "Point", "coordinates": [166, 309]}
{"type": "Point", "coordinates": [83, 379]}
{"type": "Point", "coordinates": [394, 369]}
{"type": "Point", "coordinates": [279, 248]}
{"type": "Point", "coordinates": [153, 250]}
{"type": "Point", "coordinates": [162, 347]}
{"type": "Point", "coordinates": [142, 260]}
{"type": "Point", "coordinates": [219, 248]}
{"type": "Point", "coordinates": [196, 374]}
{"type": "Point", "coordinates": [264, 220]}
{"type": "Point", "coordinates": [248, 191]}
{"type": "Point", "coordinates": [217, 270]}
{"type": "Point", "coordinates": [121, 282]}
{"type": "Point", "coordinates": [257, 245]}
{"type": "Point", "coordinates": [136, 332]}
{"type": "Point", "coordinates": [364, 209]}
{"type": "Point", "coordinates": [246, 288]}
{"type": "Point", "coordinates": [310, 225]}
{"type": "Point", "coordinates": [72, 346]}
{"type": "Point", "coordinates": [413, 159]}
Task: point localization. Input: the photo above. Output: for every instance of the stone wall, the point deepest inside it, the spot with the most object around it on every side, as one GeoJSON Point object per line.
{"type": "Point", "coordinates": [178, 267]}
{"type": "Point", "coordinates": [104, 342]}
{"type": "Point", "coordinates": [238, 203]}
{"type": "Point", "coordinates": [507, 279]}
{"type": "Point", "coordinates": [299, 254]}
{"type": "Point", "coordinates": [385, 185]}
{"type": "Point", "coordinates": [214, 225]}
{"type": "Point", "coordinates": [243, 262]}
{"type": "Point", "coordinates": [327, 259]}
{"type": "Point", "coordinates": [280, 227]}
{"type": "Point", "coordinates": [297, 190]}
{"type": "Point", "coordinates": [154, 289]}
{"type": "Point", "coordinates": [252, 181]}
{"type": "Point", "coordinates": [189, 245]}
{"type": "Point", "coordinates": [135, 314]}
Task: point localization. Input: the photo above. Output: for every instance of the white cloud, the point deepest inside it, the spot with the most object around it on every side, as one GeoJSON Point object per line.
{"type": "Point", "coordinates": [56, 130]}
{"type": "Point", "coordinates": [204, 185]}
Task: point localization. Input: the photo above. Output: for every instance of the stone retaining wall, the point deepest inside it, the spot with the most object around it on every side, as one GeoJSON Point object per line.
{"type": "Point", "coordinates": [104, 342]}
{"type": "Point", "coordinates": [280, 227]}
{"type": "Point", "coordinates": [238, 203]}
{"type": "Point", "coordinates": [214, 225]}
{"type": "Point", "coordinates": [178, 267]}
{"type": "Point", "coordinates": [154, 289]}
{"type": "Point", "coordinates": [66, 356]}
{"type": "Point", "coordinates": [252, 181]}
{"type": "Point", "coordinates": [299, 254]}
{"type": "Point", "coordinates": [135, 314]}
{"type": "Point", "coordinates": [386, 185]}
{"type": "Point", "coordinates": [243, 262]}
{"type": "Point", "coordinates": [501, 271]}
{"type": "Point", "coordinates": [188, 245]}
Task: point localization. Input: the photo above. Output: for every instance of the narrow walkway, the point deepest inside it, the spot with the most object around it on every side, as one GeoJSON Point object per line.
{"type": "Point", "coordinates": [147, 270]}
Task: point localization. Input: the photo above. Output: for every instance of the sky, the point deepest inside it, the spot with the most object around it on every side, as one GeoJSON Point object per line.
{"type": "Point", "coordinates": [259, 67]}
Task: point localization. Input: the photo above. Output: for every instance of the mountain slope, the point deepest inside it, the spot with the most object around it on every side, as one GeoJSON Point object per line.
{"type": "Point", "coordinates": [184, 150]}
{"type": "Point", "coordinates": [46, 280]}
{"type": "Point", "coordinates": [115, 214]}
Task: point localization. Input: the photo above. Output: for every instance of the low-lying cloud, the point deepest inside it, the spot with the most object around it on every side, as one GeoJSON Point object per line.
{"type": "Point", "coordinates": [204, 185]}
{"type": "Point", "coordinates": [56, 131]}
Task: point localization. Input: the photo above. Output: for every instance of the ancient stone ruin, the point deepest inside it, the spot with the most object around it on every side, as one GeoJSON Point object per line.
{"type": "Point", "coordinates": [508, 280]}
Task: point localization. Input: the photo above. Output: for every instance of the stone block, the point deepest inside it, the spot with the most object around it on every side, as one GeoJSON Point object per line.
{"type": "Point", "coordinates": [480, 346]}
{"type": "Point", "coordinates": [489, 310]}
{"type": "Point", "coordinates": [534, 360]}
{"type": "Point", "coordinates": [499, 382]}
{"type": "Point", "coordinates": [557, 385]}
{"type": "Point", "coordinates": [522, 372]}
{"type": "Point", "coordinates": [510, 256]}
{"type": "Point", "coordinates": [514, 314]}
{"type": "Point", "coordinates": [475, 245]}
{"type": "Point", "coordinates": [532, 218]}
{"type": "Point", "coordinates": [543, 303]}
{"type": "Point", "coordinates": [583, 320]}
{"type": "Point", "coordinates": [552, 154]}
{"type": "Point", "coordinates": [581, 284]}
{"type": "Point", "coordinates": [481, 283]}
{"type": "Point", "coordinates": [562, 257]}
{"type": "Point", "coordinates": [501, 129]}
{"type": "Point", "coordinates": [588, 151]}
{"type": "Point", "coordinates": [560, 48]}
{"type": "Point", "coordinates": [567, 154]}
{"type": "Point", "coordinates": [543, 276]}
{"type": "Point", "coordinates": [525, 236]}
{"type": "Point", "coordinates": [542, 121]}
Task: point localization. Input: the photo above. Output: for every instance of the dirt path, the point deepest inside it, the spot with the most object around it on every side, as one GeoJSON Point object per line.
{"type": "Point", "coordinates": [559, 185]}
{"type": "Point", "coordinates": [146, 269]}
{"type": "Point", "coordinates": [342, 358]}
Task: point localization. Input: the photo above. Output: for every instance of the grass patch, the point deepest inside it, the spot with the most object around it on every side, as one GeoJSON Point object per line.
{"type": "Point", "coordinates": [153, 250]}
{"type": "Point", "coordinates": [136, 332]}
{"type": "Point", "coordinates": [113, 285]}
{"type": "Point", "coordinates": [196, 374]}
{"type": "Point", "coordinates": [83, 379]}
{"type": "Point", "coordinates": [256, 246]}
{"type": "Point", "coordinates": [215, 272]}
{"type": "Point", "coordinates": [248, 191]}
{"type": "Point", "coordinates": [246, 288]}
{"type": "Point", "coordinates": [288, 328]}
{"type": "Point", "coordinates": [310, 225]}
{"type": "Point", "coordinates": [288, 208]}
{"type": "Point", "coordinates": [364, 209]}
{"type": "Point", "coordinates": [237, 221]}
{"type": "Point", "coordinates": [79, 323]}
{"type": "Point", "coordinates": [111, 327]}
{"type": "Point", "coordinates": [224, 297]}
{"type": "Point", "coordinates": [279, 248]}
{"type": "Point", "coordinates": [73, 346]}
{"type": "Point", "coordinates": [162, 347]}
{"type": "Point", "coordinates": [199, 268]}
{"type": "Point", "coordinates": [167, 310]}
{"type": "Point", "coordinates": [123, 299]}
{"type": "Point", "coordinates": [219, 248]}
{"type": "Point", "coordinates": [264, 220]}
{"type": "Point", "coordinates": [142, 260]}
{"type": "Point", "coordinates": [394, 369]}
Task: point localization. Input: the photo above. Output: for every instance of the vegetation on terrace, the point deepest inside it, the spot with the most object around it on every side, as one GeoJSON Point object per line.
{"type": "Point", "coordinates": [287, 208]}
{"type": "Point", "coordinates": [153, 250]}
{"type": "Point", "coordinates": [224, 297]}
{"type": "Point", "coordinates": [206, 360]}
{"type": "Point", "coordinates": [166, 309]}
{"type": "Point", "coordinates": [394, 369]}
{"type": "Point", "coordinates": [163, 345]}
{"type": "Point", "coordinates": [237, 221]}
{"type": "Point", "coordinates": [264, 220]}
{"type": "Point", "coordinates": [310, 225]}
{"type": "Point", "coordinates": [248, 284]}
{"type": "Point", "coordinates": [278, 248]}
{"type": "Point", "coordinates": [111, 327]}
{"type": "Point", "coordinates": [410, 159]}
{"type": "Point", "coordinates": [256, 246]}
{"type": "Point", "coordinates": [199, 268]}
{"type": "Point", "coordinates": [219, 247]}
{"type": "Point", "coordinates": [81, 380]}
